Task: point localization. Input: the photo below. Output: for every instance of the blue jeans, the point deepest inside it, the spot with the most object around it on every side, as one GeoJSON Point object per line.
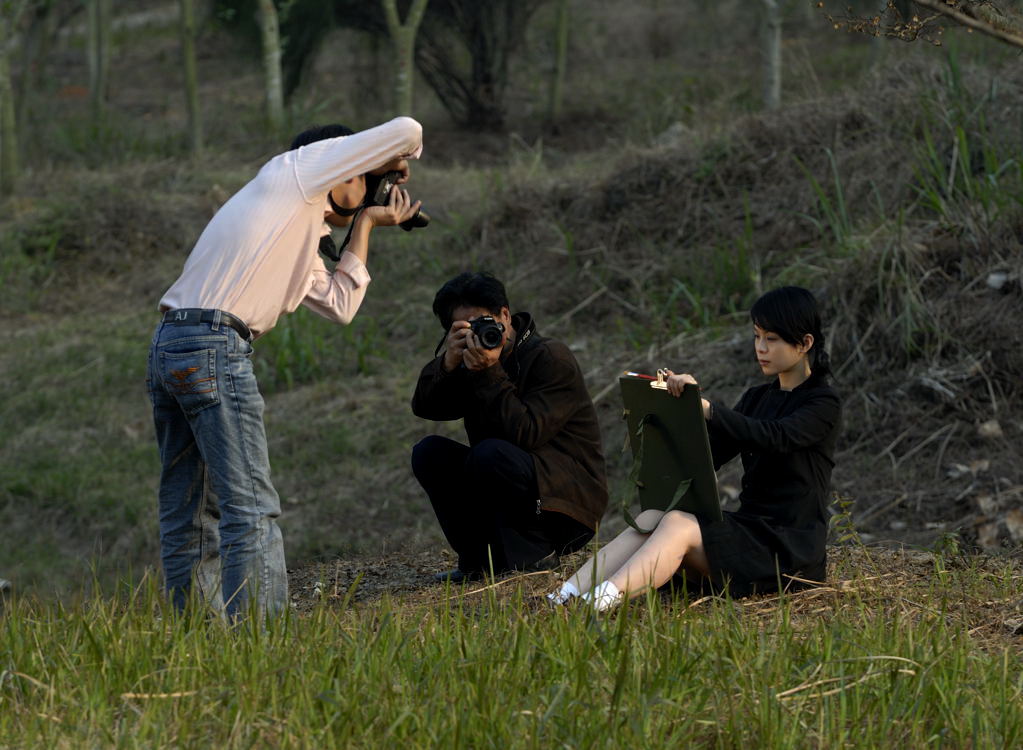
{"type": "Point", "coordinates": [218, 508]}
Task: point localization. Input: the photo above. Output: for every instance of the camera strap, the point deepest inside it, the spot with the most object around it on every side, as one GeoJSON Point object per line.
{"type": "Point", "coordinates": [440, 344]}
{"type": "Point", "coordinates": [343, 211]}
{"type": "Point", "coordinates": [348, 234]}
{"type": "Point", "coordinates": [327, 246]}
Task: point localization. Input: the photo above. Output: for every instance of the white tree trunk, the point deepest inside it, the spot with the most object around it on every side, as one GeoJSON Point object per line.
{"type": "Point", "coordinates": [560, 60]}
{"type": "Point", "coordinates": [10, 16]}
{"type": "Point", "coordinates": [36, 43]}
{"type": "Point", "coordinates": [403, 36]}
{"type": "Point", "coordinates": [271, 35]}
{"type": "Point", "coordinates": [98, 51]}
{"type": "Point", "coordinates": [191, 76]}
{"type": "Point", "coordinates": [8, 133]}
{"type": "Point", "coordinates": [772, 54]}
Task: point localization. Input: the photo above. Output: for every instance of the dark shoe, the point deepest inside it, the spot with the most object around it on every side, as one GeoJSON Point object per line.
{"type": "Point", "coordinates": [550, 562]}
{"type": "Point", "coordinates": [457, 575]}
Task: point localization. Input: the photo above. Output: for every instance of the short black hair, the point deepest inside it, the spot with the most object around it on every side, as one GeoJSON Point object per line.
{"type": "Point", "coordinates": [471, 289]}
{"type": "Point", "coordinates": [791, 312]}
{"type": "Point", "coordinates": [320, 133]}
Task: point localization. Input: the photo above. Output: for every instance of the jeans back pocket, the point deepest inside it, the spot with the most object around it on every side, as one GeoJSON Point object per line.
{"type": "Point", "coordinates": [191, 378]}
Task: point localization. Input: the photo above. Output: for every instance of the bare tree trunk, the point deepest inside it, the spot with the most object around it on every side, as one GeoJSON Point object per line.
{"type": "Point", "coordinates": [270, 28]}
{"type": "Point", "coordinates": [10, 15]}
{"type": "Point", "coordinates": [560, 59]}
{"type": "Point", "coordinates": [8, 131]}
{"type": "Point", "coordinates": [97, 49]}
{"type": "Point", "coordinates": [772, 54]}
{"type": "Point", "coordinates": [191, 76]}
{"type": "Point", "coordinates": [403, 36]}
{"type": "Point", "coordinates": [35, 47]}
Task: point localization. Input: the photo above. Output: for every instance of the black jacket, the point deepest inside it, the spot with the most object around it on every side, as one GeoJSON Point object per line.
{"type": "Point", "coordinates": [786, 440]}
{"type": "Point", "coordinates": [535, 398]}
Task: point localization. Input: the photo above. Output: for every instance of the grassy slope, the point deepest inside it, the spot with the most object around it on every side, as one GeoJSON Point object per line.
{"type": "Point", "coordinates": [893, 198]}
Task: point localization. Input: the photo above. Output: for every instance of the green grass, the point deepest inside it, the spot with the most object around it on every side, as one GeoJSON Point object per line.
{"type": "Point", "coordinates": [79, 463]}
{"type": "Point", "coordinates": [877, 659]}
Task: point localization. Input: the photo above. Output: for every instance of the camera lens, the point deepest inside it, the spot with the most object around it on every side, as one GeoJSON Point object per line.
{"type": "Point", "coordinates": [490, 337]}
{"type": "Point", "coordinates": [488, 331]}
{"type": "Point", "coordinates": [421, 219]}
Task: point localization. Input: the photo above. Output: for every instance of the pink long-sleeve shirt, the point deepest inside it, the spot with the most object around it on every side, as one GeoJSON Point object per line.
{"type": "Point", "coordinates": [258, 257]}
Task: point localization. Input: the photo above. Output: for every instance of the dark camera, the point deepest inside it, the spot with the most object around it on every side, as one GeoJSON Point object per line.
{"type": "Point", "coordinates": [383, 191]}
{"type": "Point", "coordinates": [488, 331]}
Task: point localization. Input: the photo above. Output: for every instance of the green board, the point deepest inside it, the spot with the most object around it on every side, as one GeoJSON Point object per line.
{"type": "Point", "coordinates": [668, 437]}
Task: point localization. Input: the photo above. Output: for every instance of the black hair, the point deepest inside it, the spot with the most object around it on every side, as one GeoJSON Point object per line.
{"type": "Point", "coordinates": [320, 133]}
{"type": "Point", "coordinates": [791, 312]}
{"type": "Point", "coordinates": [479, 289]}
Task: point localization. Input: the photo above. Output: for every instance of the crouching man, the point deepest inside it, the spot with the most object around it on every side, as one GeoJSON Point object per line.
{"type": "Point", "coordinates": [530, 485]}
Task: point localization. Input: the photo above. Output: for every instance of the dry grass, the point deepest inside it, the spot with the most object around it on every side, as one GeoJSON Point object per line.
{"type": "Point", "coordinates": [834, 194]}
{"type": "Point", "coordinates": [895, 584]}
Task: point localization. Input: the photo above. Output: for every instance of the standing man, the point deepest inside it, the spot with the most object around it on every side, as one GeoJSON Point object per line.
{"type": "Point", "coordinates": [256, 260]}
{"type": "Point", "coordinates": [530, 486]}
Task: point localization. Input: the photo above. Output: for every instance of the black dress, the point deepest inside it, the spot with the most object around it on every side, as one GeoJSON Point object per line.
{"type": "Point", "coordinates": [787, 443]}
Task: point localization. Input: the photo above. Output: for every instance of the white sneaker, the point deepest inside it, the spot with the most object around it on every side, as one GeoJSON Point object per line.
{"type": "Point", "coordinates": [562, 595]}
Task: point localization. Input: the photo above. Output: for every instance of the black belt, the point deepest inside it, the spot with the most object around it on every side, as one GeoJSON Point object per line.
{"type": "Point", "coordinates": [189, 316]}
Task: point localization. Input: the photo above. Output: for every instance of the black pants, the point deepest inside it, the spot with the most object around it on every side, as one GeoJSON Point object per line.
{"type": "Point", "coordinates": [487, 503]}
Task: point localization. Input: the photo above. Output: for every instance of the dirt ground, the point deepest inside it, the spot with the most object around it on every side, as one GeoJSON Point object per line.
{"type": "Point", "coordinates": [860, 577]}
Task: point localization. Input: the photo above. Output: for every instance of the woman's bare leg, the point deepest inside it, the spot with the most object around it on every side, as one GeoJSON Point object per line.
{"type": "Point", "coordinates": [676, 542]}
{"type": "Point", "coordinates": [615, 553]}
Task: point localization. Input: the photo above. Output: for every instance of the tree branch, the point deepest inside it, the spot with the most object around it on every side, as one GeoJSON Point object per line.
{"type": "Point", "coordinates": [391, 14]}
{"type": "Point", "coordinates": [972, 22]}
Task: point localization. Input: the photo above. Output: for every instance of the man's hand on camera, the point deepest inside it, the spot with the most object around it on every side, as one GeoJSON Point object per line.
{"type": "Point", "coordinates": [398, 165]}
{"type": "Point", "coordinates": [455, 345]}
{"type": "Point", "coordinates": [462, 347]}
{"type": "Point", "coordinates": [399, 208]}
{"type": "Point", "coordinates": [476, 357]}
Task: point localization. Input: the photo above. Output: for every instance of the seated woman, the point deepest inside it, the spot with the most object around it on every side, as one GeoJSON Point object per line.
{"type": "Point", "coordinates": [785, 432]}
